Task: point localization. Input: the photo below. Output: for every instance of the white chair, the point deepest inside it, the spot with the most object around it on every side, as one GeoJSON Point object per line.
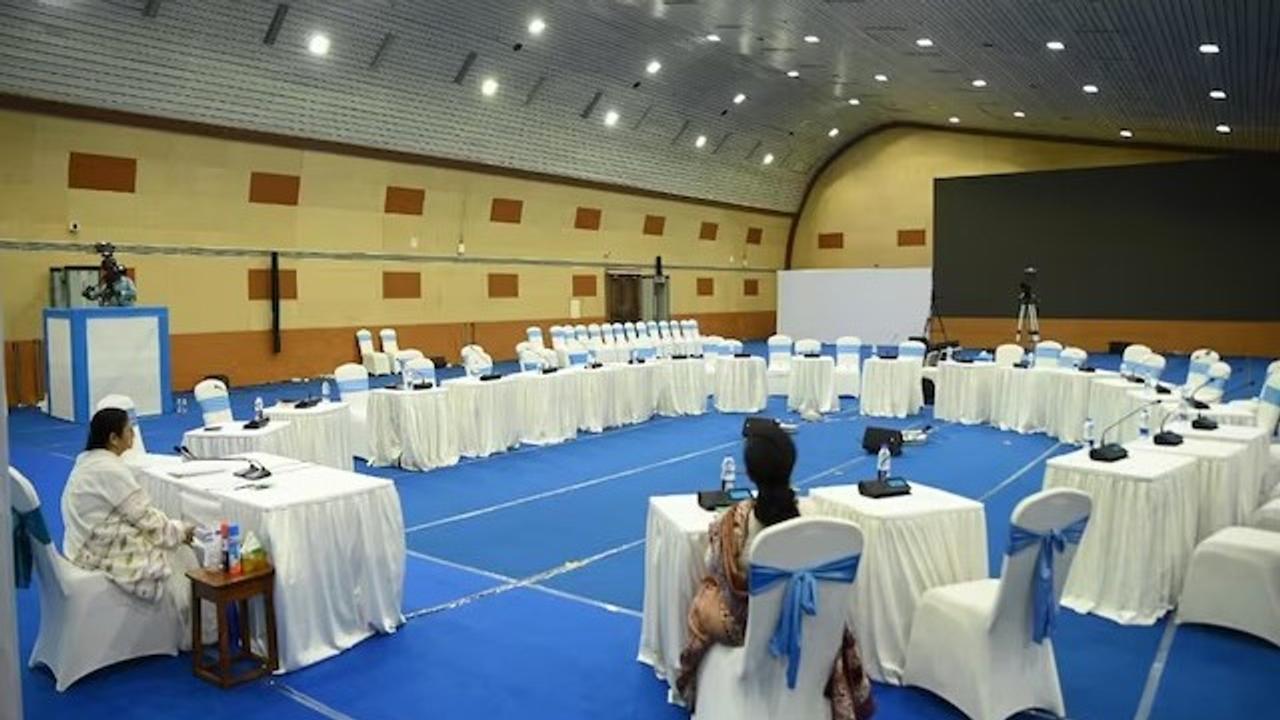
{"type": "Point", "coordinates": [1198, 367]}
{"type": "Point", "coordinates": [731, 347]}
{"type": "Point", "coordinates": [86, 621]}
{"type": "Point", "coordinates": [404, 357]}
{"type": "Point", "coordinates": [808, 346]}
{"type": "Point", "coordinates": [779, 372]}
{"type": "Point", "coordinates": [751, 683]}
{"type": "Point", "coordinates": [1151, 368]}
{"type": "Point", "coordinates": [644, 349]}
{"type": "Point", "coordinates": [712, 348]}
{"type": "Point", "coordinates": [1132, 358]}
{"type": "Point", "coordinates": [353, 389]}
{"type": "Point", "coordinates": [559, 343]}
{"type": "Point", "coordinates": [215, 404]}
{"type": "Point", "coordinates": [595, 336]}
{"type": "Point", "coordinates": [476, 361]}
{"type": "Point", "coordinates": [533, 334]}
{"type": "Point", "coordinates": [848, 372]}
{"type": "Point", "coordinates": [1008, 355]}
{"type": "Point", "coordinates": [985, 645]}
{"type": "Point", "coordinates": [125, 403]}
{"type": "Point", "coordinates": [679, 344]}
{"type": "Point", "coordinates": [375, 362]}
{"type": "Point", "coordinates": [578, 355]}
{"type": "Point", "coordinates": [692, 338]}
{"type": "Point", "coordinates": [530, 358]}
{"type": "Point", "coordinates": [629, 331]}
{"type": "Point", "coordinates": [1269, 408]}
{"type": "Point", "coordinates": [422, 370]}
{"type": "Point", "coordinates": [642, 330]}
{"type": "Point", "coordinates": [911, 351]}
{"type": "Point", "coordinates": [1233, 581]}
{"type": "Point", "coordinates": [1047, 353]}
{"type": "Point", "coordinates": [391, 344]}
{"type": "Point", "coordinates": [1267, 517]}
{"type": "Point", "coordinates": [1073, 358]}
{"type": "Point", "coordinates": [666, 345]}
{"type": "Point", "coordinates": [1214, 384]}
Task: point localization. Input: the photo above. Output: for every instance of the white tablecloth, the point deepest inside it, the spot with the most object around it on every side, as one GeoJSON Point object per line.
{"type": "Point", "coordinates": [1017, 399]}
{"type": "Point", "coordinates": [1065, 403]}
{"type": "Point", "coordinates": [683, 387]}
{"type": "Point", "coordinates": [485, 414]}
{"type": "Point", "coordinates": [1142, 529]}
{"type": "Point", "coordinates": [740, 384]}
{"type": "Point", "coordinates": [1223, 414]}
{"type": "Point", "coordinates": [279, 437]}
{"type": "Point", "coordinates": [411, 429]}
{"type": "Point", "coordinates": [811, 385]}
{"type": "Point", "coordinates": [336, 540]}
{"type": "Point", "coordinates": [1108, 402]}
{"type": "Point", "coordinates": [324, 432]}
{"type": "Point", "coordinates": [891, 388]}
{"type": "Point", "coordinates": [964, 392]}
{"type": "Point", "coordinates": [911, 543]}
{"type": "Point", "coordinates": [1222, 470]}
{"type": "Point", "coordinates": [635, 393]}
{"type": "Point", "coordinates": [1257, 444]}
{"type": "Point", "coordinates": [547, 405]}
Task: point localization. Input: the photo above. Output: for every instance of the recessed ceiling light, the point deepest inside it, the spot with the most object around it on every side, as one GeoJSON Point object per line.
{"type": "Point", "coordinates": [702, 140]}
{"type": "Point", "coordinates": [1217, 94]}
{"type": "Point", "coordinates": [489, 87]}
{"type": "Point", "coordinates": [855, 101]}
{"type": "Point", "coordinates": [712, 37]}
{"type": "Point", "coordinates": [1055, 45]}
{"type": "Point", "coordinates": [793, 73]}
{"type": "Point", "coordinates": [653, 67]}
{"type": "Point", "coordinates": [318, 44]}
{"type": "Point", "coordinates": [767, 159]}
{"type": "Point", "coordinates": [812, 39]}
{"type": "Point", "coordinates": [833, 132]}
{"type": "Point", "coordinates": [1224, 128]}
{"type": "Point", "coordinates": [1090, 89]}
{"type": "Point", "coordinates": [1126, 133]}
{"type": "Point", "coordinates": [953, 120]}
{"type": "Point", "coordinates": [924, 42]}
{"type": "Point", "coordinates": [979, 83]}
{"type": "Point", "coordinates": [739, 99]}
{"type": "Point", "coordinates": [611, 118]}
{"type": "Point", "coordinates": [881, 77]}
{"type": "Point", "coordinates": [1210, 48]}
{"type": "Point", "coordinates": [536, 26]}
{"type": "Point", "coordinates": [1019, 114]}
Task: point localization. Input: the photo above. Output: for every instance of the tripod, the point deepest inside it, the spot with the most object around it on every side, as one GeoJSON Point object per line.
{"type": "Point", "coordinates": [934, 319]}
{"type": "Point", "coordinates": [1028, 315]}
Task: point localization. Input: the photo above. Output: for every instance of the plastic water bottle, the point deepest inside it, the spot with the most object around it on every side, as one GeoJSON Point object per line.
{"type": "Point", "coordinates": [883, 459]}
{"type": "Point", "coordinates": [1144, 423]}
{"type": "Point", "coordinates": [234, 566]}
{"type": "Point", "coordinates": [324, 391]}
{"type": "Point", "coordinates": [728, 469]}
{"type": "Point", "coordinates": [404, 378]}
{"type": "Point", "coordinates": [258, 408]}
{"type": "Point", "coordinates": [1031, 359]}
{"type": "Point", "coordinates": [1086, 435]}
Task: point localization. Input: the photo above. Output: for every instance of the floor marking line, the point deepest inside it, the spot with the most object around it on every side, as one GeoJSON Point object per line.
{"type": "Point", "coordinates": [308, 701]}
{"type": "Point", "coordinates": [569, 488]}
{"type": "Point", "coordinates": [1019, 473]}
{"type": "Point", "coordinates": [459, 566]}
{"type": "Point", "coordinates": [621, 610]}
{"type": "Point", "coordinates": [1157, 670]}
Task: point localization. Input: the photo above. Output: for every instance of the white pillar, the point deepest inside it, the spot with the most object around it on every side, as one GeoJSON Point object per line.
{"type": "Point", "coordinates": [10, 682]}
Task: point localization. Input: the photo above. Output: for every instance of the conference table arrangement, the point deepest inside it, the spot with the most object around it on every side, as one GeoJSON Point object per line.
{"type": "Point", "coordinates": [336, 540]}
{"type": "Point", "coordinates": [323, 431]}
{"type": "Point", "coordinates": [280, 437]}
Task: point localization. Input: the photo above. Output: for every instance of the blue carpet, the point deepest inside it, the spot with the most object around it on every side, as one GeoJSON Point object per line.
{"type": "Point", "coordinates": [530, 654]}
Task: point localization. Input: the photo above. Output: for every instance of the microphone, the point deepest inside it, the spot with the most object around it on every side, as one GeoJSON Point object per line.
{"type": "Point", "coordinates": [255, 471]}
{"type": "Point", "coordinates": [185, 452]}
{"type": "Point", "coordinates": [1111, 452]}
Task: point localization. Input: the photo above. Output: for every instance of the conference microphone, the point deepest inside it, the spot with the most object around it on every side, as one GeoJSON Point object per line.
{"type": "Point", "coordinates": [1114, 451]}
{"type": "Point", "coordinates": [255, 471]}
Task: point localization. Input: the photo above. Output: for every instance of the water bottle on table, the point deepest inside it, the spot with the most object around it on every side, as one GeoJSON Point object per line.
{"type": "Point", "coordinates": [883, 460]}
{"type": "Point", "coordinates": [324, 391]}
{"type": "Point", "coordinates": [258, 408]}
{"type": "Point", "coordinates": [1086, 434]}
{"type": "Point", "coordinates": [234, 567]}
{"type": "Point", "coordinates": [727, 472]}
{"type": "Point", "coordinates": [1144, 423]}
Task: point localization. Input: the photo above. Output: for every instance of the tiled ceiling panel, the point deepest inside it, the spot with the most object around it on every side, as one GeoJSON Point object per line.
{"type": "Point", "coordinates": [406, 75]}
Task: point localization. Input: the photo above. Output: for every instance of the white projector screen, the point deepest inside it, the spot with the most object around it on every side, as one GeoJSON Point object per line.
{"type": "Point", "coordinates": [878, 305]}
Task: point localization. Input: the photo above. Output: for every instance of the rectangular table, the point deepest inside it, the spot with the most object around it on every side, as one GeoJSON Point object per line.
{"type": "Point", "coordinates": [684, 386]}
{"type": "Point", "coordinates": [891, 387]}
{"type": "Point", "coordinates": [1223, 475]}
{"type": "Point", "coordinates": [279, 437]}
{"type": "Point", "coordinates": [811, 386]}
{"type": "Point", "coordinates": [964, 392]}
{"type": "Point", "coordinates": [547, 406]}
{"type": "Point", "coordinates": [483, 414]}
{"type": "Point", "coordinates": [740, 384]}
{"type": "Point", "coordinates": [336, 539]}
{"type": "Point", "coordinates": [323, 432]}
{"type": "Point", "coordinates": [1257, 444]}
{"type": "Point", "coordinates": [1141, 532]}
{"type": "Point", "coordinates": [412, 429]}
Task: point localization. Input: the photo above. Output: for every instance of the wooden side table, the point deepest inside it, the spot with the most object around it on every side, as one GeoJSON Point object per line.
{"type": "Point", "coordinates": [222, 589]}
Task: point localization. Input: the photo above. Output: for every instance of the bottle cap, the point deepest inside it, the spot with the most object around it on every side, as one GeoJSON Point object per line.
{"type": "Point", "coordinates": [235, 529]}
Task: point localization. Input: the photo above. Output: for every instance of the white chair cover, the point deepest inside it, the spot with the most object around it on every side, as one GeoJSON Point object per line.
{"type": "Point", "coordinates": [125, 403]}
{"type": "Point", "coordinates": [86, 621]}
{"type": "Point", "coordinates": [476, 361]}
{"type": "Point", "coordinates": [375, 362]}
{"type": "Point", "coordinates": [1214, 383]}
{"type": "Point", "coordinates": [529, 357]}
{"type": "Point", "coordinates": [1047, 353]}
{"type": "Point", "coordinates": [985, 645]}
{"type": "Point", "coordinates": [422, 370]}
{"type": "Point", "coordinates": [1198, 367]}
{"type": "Point", "coordinates": [1132, 356]}
{"type": "Point", "coordinates": [1072, 357]}
{"type": "Point", "coordinates": [577, 354]}
{"type": "Point", "coordinates": [215, 404]}
{"type": "Point", "coordinates": [1151, 367]}
{"type": "Point", "coordinates": [808, 346]}
{"type": "Point", "coordinates": [779, 372]}
{"type": "Point", "coordinates": [629, 331]}
{"type": "Point", "coordinates": [353, 389]}
{"type": "Point", "coordinates": [390, 343]}
{"type": "Point", "coordinates": [595, 335]}
{"type": "Point", "coordinates": [848, 372]}
{"type": "Point", "coordinates": [731, 346]}
{"type": "Point", "coordinates": [1269, 404]}
{"type": "Point", "coordinates": [404, 357]}
{"type": "Point", "coordinates": [581, 335]}
{"type": "Point", "coordinates": [911, 351]}
{"type": "Point", "coordinates": [534, 335]}
{"type": "Point", "coordinates": [1234, 581]}
{"type": "Point", "coordinates": [1267, 517]}
{"type": "Point", "coordinates": [750, 682]}
{"type": "Point", "coordinates": [1008, 355]}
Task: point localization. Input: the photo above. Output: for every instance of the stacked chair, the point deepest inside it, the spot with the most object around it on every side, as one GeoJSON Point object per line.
{"type": "Point", "coordinates": [377, 363]}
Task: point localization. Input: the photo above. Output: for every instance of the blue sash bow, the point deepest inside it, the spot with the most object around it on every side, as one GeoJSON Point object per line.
{"type": "Point", "coordinates": [1044, 609]}
{"type": "Point", "coordinates": [214, 404]}
{"type": "Point", "coordinates": [1047, 353]}
{"type": "Point", "coordinates": [1270, 395]}
{"type": "Point", "coordinates": [355, 385]}
{"type": "Point", "coordinates": [1199, 368]}
{"type": "Point", "coordinates": [26, 527]}
{"type": "Point", "coordinates": [910, 351]}
{"type": "Point", "coordinates": [799, 599]}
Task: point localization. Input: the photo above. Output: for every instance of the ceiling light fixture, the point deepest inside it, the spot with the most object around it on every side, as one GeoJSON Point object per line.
{"type": "Point", "coordinates": [611, 118]}
{"type": "Point", "coordinates": [489, 87]}
{"type": "Point", "coordinates": [739, 99]}
{"type": "Point", "coordinates": [712, 37]}
{"type": "Point", "coordinates": [767, 159]}
{"type": "Point", "coordinates": [812, 39]}
{"type": "Point", "coordinates": [653, 67]}
{"type": "Point", "coordinates": [1126, 133]}
{"type": "Point", "coordinates": [536, 26]}
{"type": "Point", "coordinates": [979, 83]}
{"type": "Point", "coordinates": [924, 42]}
{"type": "Point", "coordinates": [318, 44]}
{"type": "Point", "coordinates": [1210, 48]}
{"type": "Point", "coordinates": [702, 140]}
{"type": "Point", "coordinates": [1217, 94]}
{"type": "Point", "coordinates": [793, 73]}
{"type": "Point", "coordinates": [1056, 45]}
{"type": "Point", "coordinates": [881, 77]}
{"type": "Point", "coordinates": [1019, 114]}
{"type": "Point", "coordinates": [1090, 89]}
{"type": "Point", "coordinates": [833, 132]}
{"type": "Point", "coordinates": [953, 120]}
{"type": "Point", "coordinates": [1223, 128]}
{"type": "Point", "coordinates": [855, 101]}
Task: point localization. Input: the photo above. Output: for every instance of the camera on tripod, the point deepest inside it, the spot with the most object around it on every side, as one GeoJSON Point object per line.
{"type": "Point", "coordinates": [1026, 288]}
{"type": "Point", "coordinates": [114, 288]}
{"type": "Point", "coordinates": [1028, 306]}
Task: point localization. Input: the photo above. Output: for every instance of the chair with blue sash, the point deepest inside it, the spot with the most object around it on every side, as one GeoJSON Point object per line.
{"type": "Point", "coordinates": [215, 404]}
{"type": "Point", "coordinates": [985, 646]}
{"type": "Point", "coordinates": [1047, 353]}
{"type": "Point", "coordinates": [1211, 387]}
{"type": "Point", "coordinates": [1198, 367]}
{"type": "Point", "coordinates": [125, 403]}
{"type": "Point", "coordinates": [800, 582]}
{"type": "Point", "coordinates": [529, 357]}
{"type": "Point", "coordinates": [712, 349]}
{"type": "Point", "coordinates": [1008, 355]}
{"type": "Point", "coordinates": [692, 336]}
{"type": "Point", "coordinates": [391, 346]}
{"type": "Point", "coordinates": [578, 355]}
{"type": "Point", "coordinates": [1151, 368]}
{"type": "Point", "coordinates": [353, 389]}
{"type": "Point", "coordinates": [1131, 360]}
{"type": "Point", "coordinates": [1269, 410]}
{"type": "Point", "coordinates": [778, 375]}
{"type": "Point", "coordinates": [533, 334]}
{"type": "Point", "coordinates": [375, 362]}
{"type": "Point", "coordinates": [475, 361]}
{"type": "Point", "coordinates": [423, 370]}
{"type": "Point", "coordinates": [86, 621]}
{"type": "Point", "coordinates": [848, 372]}
{"type": "Point", "coordinates": [1072, 358]}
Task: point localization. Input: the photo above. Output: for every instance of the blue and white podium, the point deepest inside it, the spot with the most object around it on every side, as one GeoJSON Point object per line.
{"type": "Point", "coordinates": [94, 352]}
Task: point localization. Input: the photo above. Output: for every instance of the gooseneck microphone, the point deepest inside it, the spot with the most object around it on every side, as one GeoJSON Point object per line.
{"type": "Point", "coordinates": [1111, 452]}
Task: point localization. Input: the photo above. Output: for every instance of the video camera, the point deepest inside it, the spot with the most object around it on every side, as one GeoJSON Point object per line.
{"type": "Point", "coordinates": [1026, 288]}
{"type": "Point", "coordinates": [114, 288]}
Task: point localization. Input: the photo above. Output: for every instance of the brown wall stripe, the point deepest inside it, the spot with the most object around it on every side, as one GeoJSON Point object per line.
{"type": "Point", "coordinates": [274, 189]}
{"type": "Point", "coordinates": [401, 285]}
{"type": "Point", "coordinates": [584, 285]}
{"type": "Point", "coordinates": [587, 219]}
{"type": "Point", "coordinates": [910, 238]}
{"type": "Point", "coordinates": [830, 241]}
{"type": "Point", "coordinates": [750, 287]}
{"type": "Point", "coordinates": [504, 285]}
{"type": "Point", "coordinates": [404, 200]}
{"type": "Point", "coordinates": [101, 172]}
{"type": "Point", "coordinates": [506, 210]}
{"type": "Point", "coordinates": [755, 236]}
{"type": "Point", "coordinates": [260, 284]}
{"type": "Point", "coordinates": [706, 286]}
{"type": "Point", "coordinates": [654, 224]}
{"type": "Point", "coordinates": [708, 231]}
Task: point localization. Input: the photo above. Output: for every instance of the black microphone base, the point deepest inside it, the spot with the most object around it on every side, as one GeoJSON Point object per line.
{"type": "Point", "coordinates": [1199, 404]}
{"type": "Point", "coordinates": [1168, 437]}
{"type": "Point", "coordinates": [1204, 423]}
{"type": "Point", "coordinates": [1108, 453]}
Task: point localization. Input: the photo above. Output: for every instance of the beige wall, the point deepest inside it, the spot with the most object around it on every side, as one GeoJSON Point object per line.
{"type": "Point", "coordinates": [884, 183]}
{"type": "Point", "coordinates": [192, 192]}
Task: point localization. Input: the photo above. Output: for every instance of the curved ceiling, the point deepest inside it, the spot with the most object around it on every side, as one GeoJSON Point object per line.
{"type": "Point", "coordinates": [408, 75]}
